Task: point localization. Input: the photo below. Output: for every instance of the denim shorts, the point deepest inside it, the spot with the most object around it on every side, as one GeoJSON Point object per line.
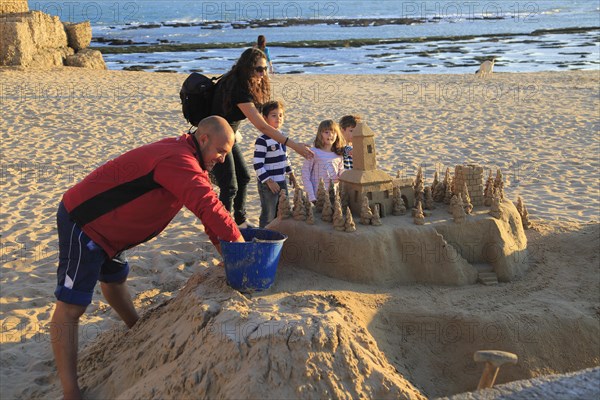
{"type": "Point", "coordinates": [82, 263]}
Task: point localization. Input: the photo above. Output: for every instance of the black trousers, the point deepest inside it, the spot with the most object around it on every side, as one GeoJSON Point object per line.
{"type": "Point", "coordinates": [233, 177]}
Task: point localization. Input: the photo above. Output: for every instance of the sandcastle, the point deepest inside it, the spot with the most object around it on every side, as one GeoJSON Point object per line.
{"type": "Point", "coordinates": [457, 231]}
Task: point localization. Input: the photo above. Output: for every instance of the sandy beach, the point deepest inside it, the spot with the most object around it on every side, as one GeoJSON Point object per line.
{"type": "Point", "coordinates": [540, 129]}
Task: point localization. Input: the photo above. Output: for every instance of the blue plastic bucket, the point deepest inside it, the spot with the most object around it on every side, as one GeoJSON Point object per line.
{"type": "Point", "coordinates": [251, 266]}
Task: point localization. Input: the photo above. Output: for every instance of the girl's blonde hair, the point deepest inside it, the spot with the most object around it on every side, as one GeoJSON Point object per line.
{"type": "Point", "coordinates": [338, 145]}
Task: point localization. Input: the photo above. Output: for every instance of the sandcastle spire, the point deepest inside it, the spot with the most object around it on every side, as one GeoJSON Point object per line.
{"type": "Point", "coordinates": [327, 213]}
{"type": "Point", "coordinates": [499, 184]}
{"type": "Point", "coordinates": [338, 217]}
{"type": "Point", "coordinates": [365, 212]}
{"type": "Point", "coordinates": [320, 196]}
{"type": "Point", "coordinates": [419, 187]}
{"type": "Point", "coordinates": [419, 218]}
{"type": "Point", "coordinates": [429, 199]}
{"type": "Point", "coordinates": [467, 199]}
{"type": "Point", "coordinates": [488, 192]}
{"type": "Point", "coordinates": [448, 184]}
{"type": "Point", "coordinates": [522, 209]}
{"type": "Point", "coordinates": [496, 211]}
{"type": "Point", "coordinates": [398, 206]}
{"type": "Point", "coordinates": [458, 209]}
{"type": "Point", "coordinates": [349, 226]}
{"type": "Point", "coordinates": [299, 211]}
{"type": "Point", "coordinates": [375, 220]}
{"type": "Point", "coordinates": [310, 214]}
{"type": "Point", "coordinates": [283, 209]}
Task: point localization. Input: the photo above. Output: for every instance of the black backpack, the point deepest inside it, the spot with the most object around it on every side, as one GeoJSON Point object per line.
{"type": "Point", "coordinates": [196, 96]}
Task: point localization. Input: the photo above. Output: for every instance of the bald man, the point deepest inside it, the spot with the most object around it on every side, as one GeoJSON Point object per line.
{"type": "Point", "coordinates": [125, 202]}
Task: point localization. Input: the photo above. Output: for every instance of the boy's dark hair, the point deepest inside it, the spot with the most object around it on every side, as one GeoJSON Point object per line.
{"type": "Point", "coordinates": [349, 121]}
{"type": "Point", "coordinates": [270, 106]}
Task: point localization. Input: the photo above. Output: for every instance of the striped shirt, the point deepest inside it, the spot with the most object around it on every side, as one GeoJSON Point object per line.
{"type": "Point", "coordinates": [348, 157]}
{"type": "Point", "coordinates": [270, 160]}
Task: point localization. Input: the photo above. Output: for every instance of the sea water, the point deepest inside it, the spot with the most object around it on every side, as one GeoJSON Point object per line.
{"type": "Point", "coordinates": [435, 36]}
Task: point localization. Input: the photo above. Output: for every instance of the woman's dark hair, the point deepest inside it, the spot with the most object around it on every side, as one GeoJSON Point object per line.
{"type": "Point", "coordinates": [261, 42]}
{"type": "Point", "coordinates": [241, 74]}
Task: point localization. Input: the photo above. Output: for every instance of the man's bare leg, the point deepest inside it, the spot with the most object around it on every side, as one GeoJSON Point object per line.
{"type": "Point", "coordinates": [65, 339]}
{"type": "Point", "coordinates": [117, 295]}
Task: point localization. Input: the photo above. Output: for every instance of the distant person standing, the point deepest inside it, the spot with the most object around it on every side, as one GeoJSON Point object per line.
{"type": "Point", "coordinates": [261, 43]}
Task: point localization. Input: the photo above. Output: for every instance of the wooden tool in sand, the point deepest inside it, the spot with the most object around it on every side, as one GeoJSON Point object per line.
{"type": "Point", "coordinates": [494, 359]}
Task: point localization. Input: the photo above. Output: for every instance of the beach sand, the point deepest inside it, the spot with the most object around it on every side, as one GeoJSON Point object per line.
{"type": "Point", "coordinates": [540, 129]}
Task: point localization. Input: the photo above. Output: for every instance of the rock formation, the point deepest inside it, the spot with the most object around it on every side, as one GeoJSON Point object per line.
{"type": "Point", "coordinates": [36, 39]}
{"type": "Point", "coordinates": [299, 211]}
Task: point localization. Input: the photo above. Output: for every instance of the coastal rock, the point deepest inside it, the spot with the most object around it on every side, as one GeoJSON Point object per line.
{"type": "Point", "coordinates": [38, 40]}
{"type": "Point", "coordinates": [79, 35]}
{"type": "Point", "coordinates": [86, 58]}
{"type": "Point", "coordinates": [13, 6]}
{"type": "Point", "coordinates": [32, 39]}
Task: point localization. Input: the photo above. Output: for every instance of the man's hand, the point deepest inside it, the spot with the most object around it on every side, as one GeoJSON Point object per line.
{"type": "Point", "coordinates": [273, 186]}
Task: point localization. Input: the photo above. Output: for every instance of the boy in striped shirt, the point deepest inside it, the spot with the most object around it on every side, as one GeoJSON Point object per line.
{"type": "Point", "coordinates": [271, 165]}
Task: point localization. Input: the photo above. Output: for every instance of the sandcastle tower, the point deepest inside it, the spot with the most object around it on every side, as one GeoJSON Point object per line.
{"type": "Point", "coordinates": [364, 179]}
{"type": "Point", "coordinates": [471, 176]}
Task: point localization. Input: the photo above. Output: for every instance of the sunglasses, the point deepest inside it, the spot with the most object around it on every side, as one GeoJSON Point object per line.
{"type": "Point", "coordinates": [260, 69]}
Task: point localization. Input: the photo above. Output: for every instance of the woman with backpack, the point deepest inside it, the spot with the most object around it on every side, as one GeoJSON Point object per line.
{"type": "Point", "coordinates": [238, 95]}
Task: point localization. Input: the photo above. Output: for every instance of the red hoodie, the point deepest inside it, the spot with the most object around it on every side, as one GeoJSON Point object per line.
{"type": "Point", "coordinates": [131, 199]}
